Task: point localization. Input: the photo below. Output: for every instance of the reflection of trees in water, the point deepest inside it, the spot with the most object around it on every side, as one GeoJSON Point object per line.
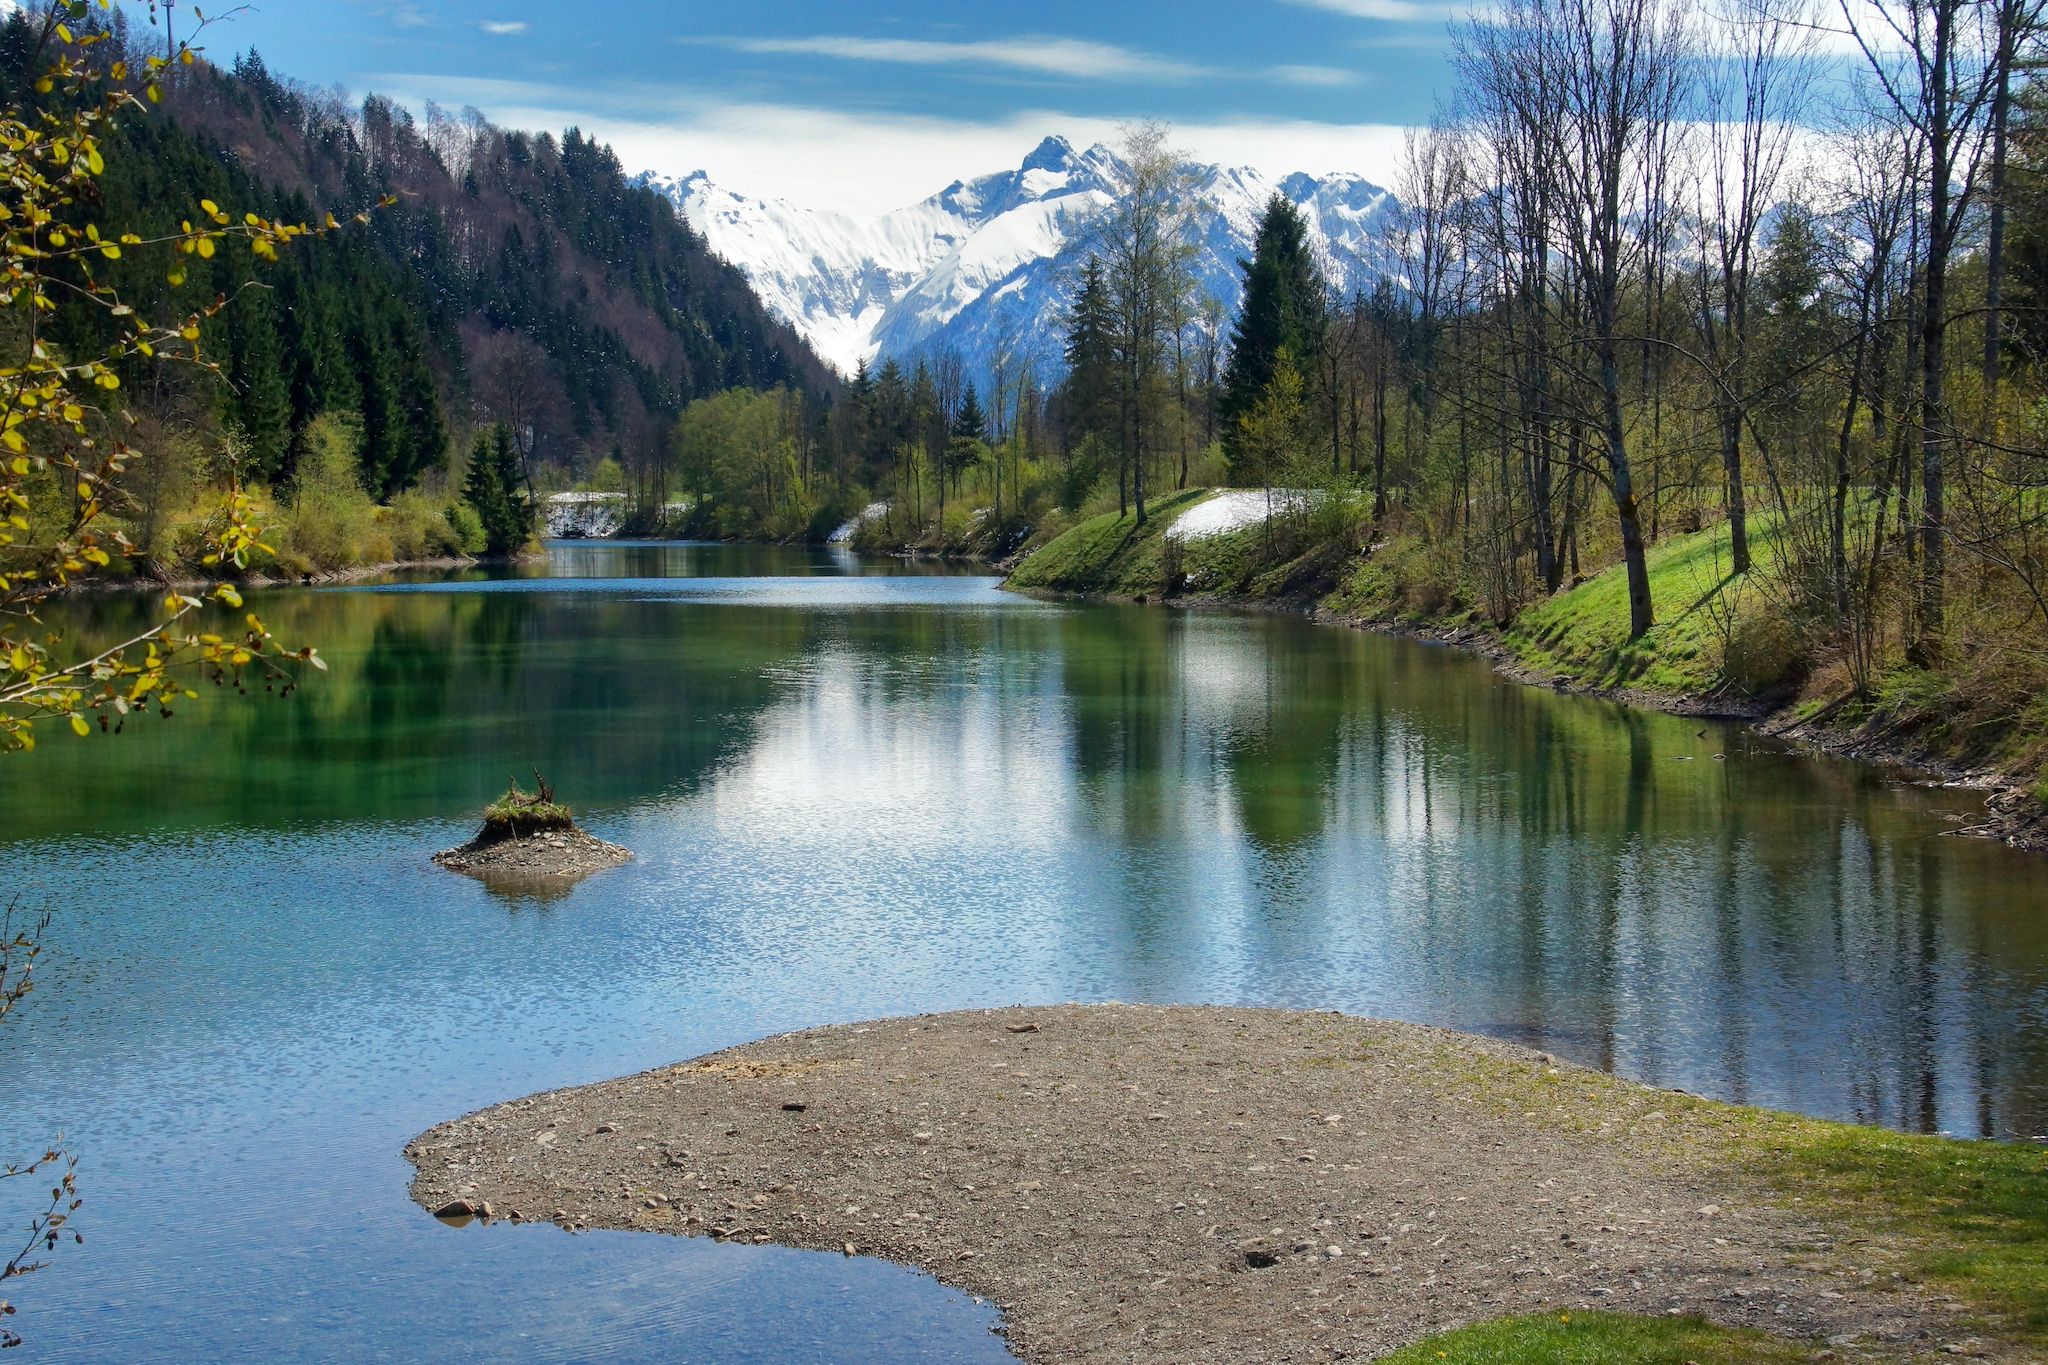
{"type": "Point", "coordinates": [431, 701]}
{"type": "Point", "coordinates": [1327, 816]}
{"type": "Point", "coordinates": [1578, 874]}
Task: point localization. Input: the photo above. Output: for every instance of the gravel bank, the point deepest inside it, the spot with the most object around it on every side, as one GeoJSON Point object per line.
{"type": "Point", "coordinates": [565, 854]}
{"type": "Point", "coordinates": [1189, 1183]}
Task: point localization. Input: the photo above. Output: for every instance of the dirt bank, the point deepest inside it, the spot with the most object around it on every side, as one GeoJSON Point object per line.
{"type": "Point", "coordinates": [1194, 1184]}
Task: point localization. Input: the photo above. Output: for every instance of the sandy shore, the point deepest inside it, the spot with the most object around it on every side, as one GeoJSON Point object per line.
{"type": "Point", "coordinates": [1192, 1184]}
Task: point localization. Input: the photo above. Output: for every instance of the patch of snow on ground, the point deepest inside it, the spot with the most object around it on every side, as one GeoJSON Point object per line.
{"type": "Point", "coordinates": [873, 511]}
{"type": "Point", "coordinates": [1233, 509]}
{"type": "Point", "coordinates": [585, 516]}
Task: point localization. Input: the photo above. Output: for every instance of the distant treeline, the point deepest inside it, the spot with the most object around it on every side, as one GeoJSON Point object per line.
{"type": "Point", "coordinates": [505, 278]}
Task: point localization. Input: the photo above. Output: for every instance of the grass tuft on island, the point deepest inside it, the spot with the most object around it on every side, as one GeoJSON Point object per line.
{"type": "Point", "coordinates": [507, 818]}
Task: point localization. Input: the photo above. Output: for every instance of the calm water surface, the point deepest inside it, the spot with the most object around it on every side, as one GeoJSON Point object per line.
{"type": "Point", "coordinates": [858, 789]}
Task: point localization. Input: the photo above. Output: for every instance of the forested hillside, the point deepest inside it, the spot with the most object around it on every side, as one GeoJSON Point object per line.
{"type": "Point", "coordinates": [500, 277]}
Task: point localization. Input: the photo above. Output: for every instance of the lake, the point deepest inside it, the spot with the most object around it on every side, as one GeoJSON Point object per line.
{"type": "Point", "coordinates": [859, 789]}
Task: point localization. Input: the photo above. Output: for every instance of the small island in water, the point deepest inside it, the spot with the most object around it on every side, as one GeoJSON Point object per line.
{"type": "Point", "coordinates": [531, 835]}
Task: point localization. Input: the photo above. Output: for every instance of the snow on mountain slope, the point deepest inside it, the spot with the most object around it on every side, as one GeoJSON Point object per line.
{"type": "Point", "coordinates": [985, 266]}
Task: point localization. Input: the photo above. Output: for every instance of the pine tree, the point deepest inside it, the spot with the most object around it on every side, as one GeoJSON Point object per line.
{"type": "Point", "coordinates": [495, 487]}
{"type": "Point", "coordinates": [1283, 310]}
{"type": "Point", "coordinates": [1091, 357]}
{"type": "Point", "coordinates": [262, 401]}
{"type": "Point", "coordinates": [481, 489]}
{"type": "Point", "coordinates": [423, 443]}
{"type": "Point", "coordinates": [970, 422]}
{"type": "Point", "coordinates": [383, 422]}
{"type": "Point", "coordinates": [966, 444]}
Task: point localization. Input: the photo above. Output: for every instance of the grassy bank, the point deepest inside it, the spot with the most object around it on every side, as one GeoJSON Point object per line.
{"type": "Point", "coordinates": [1725, 642]}
{"type": "Point", "coordinates": [1968, 1218]}
{"type": "Point", "coordinates": [1600, 1339]}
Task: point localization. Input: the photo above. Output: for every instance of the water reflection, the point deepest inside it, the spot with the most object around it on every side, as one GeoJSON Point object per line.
{"type": "Point", "coordinates": [855, 793]}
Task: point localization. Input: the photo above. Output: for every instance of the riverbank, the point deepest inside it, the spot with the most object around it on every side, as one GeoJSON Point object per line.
{"type": "Point", "coordinates": [1197, 1184]}
{"type": "Point", "coordinates": [261, 578]}
{"type": "Point", "coordinates": [1719, 649]}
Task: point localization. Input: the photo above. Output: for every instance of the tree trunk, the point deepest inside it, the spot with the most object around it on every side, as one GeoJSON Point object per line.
{"type": "Point", "coordinates": [1738, 502]}
{"type": "Point", "coordinates": [1640, 616]}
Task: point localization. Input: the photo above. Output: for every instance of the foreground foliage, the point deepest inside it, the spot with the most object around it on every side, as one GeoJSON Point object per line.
{"type": "Point", "coordinates": [66, 436]}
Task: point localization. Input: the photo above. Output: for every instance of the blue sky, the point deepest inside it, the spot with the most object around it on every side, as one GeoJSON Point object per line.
{"type": "Point", "coordinates": [866, 106]}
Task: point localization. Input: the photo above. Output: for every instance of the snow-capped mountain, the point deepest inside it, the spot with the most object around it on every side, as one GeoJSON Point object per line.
{"type": "Point", "coordinates": [986, 265]}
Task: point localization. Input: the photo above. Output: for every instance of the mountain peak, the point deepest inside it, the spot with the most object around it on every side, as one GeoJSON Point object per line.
{"type": "Point", "coordinates": [982, 266]}
{"type": "Point", "coordinates": [1053, 154]}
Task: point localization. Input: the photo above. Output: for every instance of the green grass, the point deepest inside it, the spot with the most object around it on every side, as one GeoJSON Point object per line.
{"type": "Point", "coordinates": [1112, 555]}
{"type": "Point", "coordinates": [1108, 554]}
{"type": "Point", "coordinates": [1598, 1339]}
{"type": "Point", "coordinates": [1582, 634]}
{"type": "Point", "coordinates": [1970, 1216]}
{"type": "Point", "coordinates": [507, 817]}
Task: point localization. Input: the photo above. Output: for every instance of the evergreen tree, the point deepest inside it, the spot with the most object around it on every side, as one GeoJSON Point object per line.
{"type": "Point", "coordinates": [423, 441]}
{"type": "Point", "coordinates": [1090, 354]}
{"type": "Point", "coordinates": [495, 487]}
{"type": "Point", "coordinates": [1283, 310]}
{"type": "Point", "coordinates": [966, 443]}
{"type": "Point", "coordinates": [262, 403]}
{"type": "Point", "coordinates": [970, 422]}
{"type": "Point", "coordinates": [383, 422]}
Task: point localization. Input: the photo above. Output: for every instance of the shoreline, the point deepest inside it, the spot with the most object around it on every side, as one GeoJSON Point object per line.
{"type": "Point", "coordinates": [318, 579]}
{"type": "Point", "coordinates": [2012, 817]}
{"type": "Point", "coordinates": [2011, 814]}
{"type": "Point", "coordinates": [1199, 1183]}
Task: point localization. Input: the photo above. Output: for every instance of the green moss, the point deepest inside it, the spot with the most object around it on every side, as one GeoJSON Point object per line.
{"type": "Point", "coordinates": [503, 819]}
{"type": "Point", "coordinates": [1599, 1338]}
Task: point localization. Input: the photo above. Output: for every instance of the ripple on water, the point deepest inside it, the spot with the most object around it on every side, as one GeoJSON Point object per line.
{"type": "Point", "coordinates": [888, 795]}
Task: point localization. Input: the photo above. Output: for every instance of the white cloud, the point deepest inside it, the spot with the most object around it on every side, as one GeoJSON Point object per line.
{"type": "Point", "coordinates": [1313, 75]}
{"type": "Point", "coordinates": [866, 163]}
{"type": "Point", "coordinates": [503, 28]}
{"type": "Point", "coordinates": [1070, 57]}
{"type": "Point", "coordinates": [1393, 11]}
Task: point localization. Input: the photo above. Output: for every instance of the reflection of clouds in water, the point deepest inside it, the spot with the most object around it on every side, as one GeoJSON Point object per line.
{"type": "Point", "coordinates": [823, 592]}
{"type": "Point", "coordinates": [896, 795]}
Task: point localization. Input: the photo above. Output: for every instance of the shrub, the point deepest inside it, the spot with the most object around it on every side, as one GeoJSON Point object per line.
{"type": "Point", "coordinates": [1763, 649]}
{"type": "Point", "coordinates": [466, 526]}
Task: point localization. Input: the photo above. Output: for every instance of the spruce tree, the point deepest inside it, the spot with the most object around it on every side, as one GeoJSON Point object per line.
{"type": "Point", "coordinates": [1091, 357]}
{"type": "Point", "coordinates": [966, 443]}
{"type": "Point", "coordinates": [383, 422]}
{"type": "Point", "coordinates": [482, 491]}
{"type": "Point", "coordinates": [423, 442]}
{"type": "Point", "coordinates": [262, 403]}
{"type": "Point", "coordinates": [970, 422]}
{"type": "Point", "coordinates": [1283, 310]}
{"type": "Point", "coordinates": [495, 487]}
